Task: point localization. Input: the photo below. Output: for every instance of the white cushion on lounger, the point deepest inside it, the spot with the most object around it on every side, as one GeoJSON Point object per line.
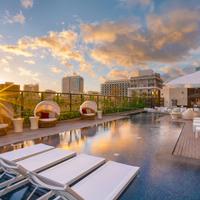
{"type": "Point", "coordinates": [25, 152]}
{"type": "Point", "coordinates": [72, 169]}
{"type": "Point", "coordinates": [48, 120]}
{"type": "Point", "coordinates": [107, 182]}
{"type": "Point", "coordinates": [46, 159]}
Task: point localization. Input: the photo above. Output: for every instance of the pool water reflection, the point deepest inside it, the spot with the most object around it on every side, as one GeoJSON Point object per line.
{"type": "Point", "coordinates": [143, 141]}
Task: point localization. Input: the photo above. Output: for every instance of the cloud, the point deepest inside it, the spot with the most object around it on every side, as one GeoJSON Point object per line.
{"type": "Point", "coordinates": [56, 70]}
{"type": "Point", "coordinates": [102, 79]}
{"type": "Point", "coordinates": [166, 38]}
{"type": "Point", "coordinates": [128, 3]}
{"type": "Point", "coordinates": [9, 57]}
{"type": "Point", "coordinates": [62, 45]}
{"type": "Point", "coordinates": [7, 69]}
{"type": "Point", "coordinates": [3, 61]}
{"type": "Point", "coordinates": [15, 50]}
{"type": "Point", "coordinates": [107, 31]}
{"type": "Point", "coordinates": [173, 71]}
{"type": "Point", "coordinates": [116, 74]}
{"type": "Point", "coordinates": [18, 18]}
{"type": "Point", "coordinates": [31, 62]}
{"type": "Point", "coordinates": [27, 3]}
{"type": "Point", "coordinates": [87, 68]}
{"type": "Point", "coordinates": [28, 74]}
{"type": "Point", "coordinates": [4, 65]}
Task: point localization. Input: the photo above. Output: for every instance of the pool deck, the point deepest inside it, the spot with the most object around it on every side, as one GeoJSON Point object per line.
{"type": "Point", "coordinates": [62, 126]}
{"type": "Point", "coordinates": [187, 145]}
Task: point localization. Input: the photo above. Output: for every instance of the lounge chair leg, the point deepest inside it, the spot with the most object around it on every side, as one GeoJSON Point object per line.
{"type": "Point", "coordinates": [32, 193]}
{"type": "Point", "coordinates": [2, 174]}
{"type": "Point", "coordinates": [7, 183]}
{"type": "Point", "coordinates": [13, 187]}
{"type": "Point", "coordinates": [46, 196]}
{"type": "Point", "coordinates": [59, 198]}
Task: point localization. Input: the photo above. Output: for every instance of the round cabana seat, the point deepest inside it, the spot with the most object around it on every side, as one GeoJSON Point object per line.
{"type": "Point", "coordinates": [88, 110]}
{"type": "Point", "coordinates": [48, 113]}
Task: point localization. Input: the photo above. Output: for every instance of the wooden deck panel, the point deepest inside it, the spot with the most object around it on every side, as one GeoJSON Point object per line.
{"type": "Point", "coordinates": [187, 145]}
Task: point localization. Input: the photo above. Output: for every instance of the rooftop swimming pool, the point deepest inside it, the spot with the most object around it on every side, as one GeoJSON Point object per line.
{"type": "Point", "coordinates": [142, 140]}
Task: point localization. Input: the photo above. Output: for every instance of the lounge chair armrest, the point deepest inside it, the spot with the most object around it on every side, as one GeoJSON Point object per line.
{"type": "Point", "coordinates": [43, 182]}
{"type": "Point", "coordinates": [11, 167]}
{"type": "Point", "coordinates": [61, 190]}
{"type": "Point", "coordinates": [7, 164]}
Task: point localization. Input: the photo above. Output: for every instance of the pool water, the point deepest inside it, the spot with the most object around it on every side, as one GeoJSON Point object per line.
{"type": "Point", "coordinates": [143, 140]}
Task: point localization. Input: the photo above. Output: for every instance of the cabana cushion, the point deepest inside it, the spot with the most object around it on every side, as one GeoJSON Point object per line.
{"type": "Point", "coordinates": [89, 110]}
{"type": "Point", "coordinates": [44, 115]}
{"type": "Point", "coordinates": [84, 110]}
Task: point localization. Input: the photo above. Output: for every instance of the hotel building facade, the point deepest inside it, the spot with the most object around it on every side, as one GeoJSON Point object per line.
{"type": "Point", "coordinates": [146, 83]}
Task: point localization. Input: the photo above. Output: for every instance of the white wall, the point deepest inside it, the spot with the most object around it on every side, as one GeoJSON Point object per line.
{"type": "Point", "coordinates": [179, 94]}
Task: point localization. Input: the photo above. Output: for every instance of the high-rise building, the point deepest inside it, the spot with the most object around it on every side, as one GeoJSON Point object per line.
{"type": "Point", "coordinates": [115, 87]}
{"type": "Point", "coordinates": [31, 87]}
{"type": "Point", "coordinates": [144, 83]}
{"type": "Point", "coordinates": [72, 84]}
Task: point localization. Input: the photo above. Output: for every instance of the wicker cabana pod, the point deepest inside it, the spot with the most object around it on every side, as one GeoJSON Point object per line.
{"type": "Point", "coordinates": [88, 110]}
{"type": "Point", "coordinates": [48, 113]}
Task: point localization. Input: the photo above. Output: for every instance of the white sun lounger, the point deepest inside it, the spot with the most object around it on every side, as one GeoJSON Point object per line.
{"type": "Point", "coordinates": [25, 152]}
{"type": "Point", "coordinates": [105, 183]}
{"type": "Point", "coordinates": [71, 170]}
{"type": "Point", "coordinates": [33, 164]}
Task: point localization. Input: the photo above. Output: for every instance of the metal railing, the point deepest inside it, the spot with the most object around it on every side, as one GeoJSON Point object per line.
{"type": "Point", "coordinates": [24, 102]}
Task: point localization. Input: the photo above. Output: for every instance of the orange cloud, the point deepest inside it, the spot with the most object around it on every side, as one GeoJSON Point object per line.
{"type": "Point", "coordinates": [87, 68]}
{"type": "Point", "coordinates": [56, 70]}
{"type": "Point", "coordinates": [167, 38]}
{"type": "Point", "coordinates": [107, 31]}
{"type": "Point", "coordinates": [16, 50]}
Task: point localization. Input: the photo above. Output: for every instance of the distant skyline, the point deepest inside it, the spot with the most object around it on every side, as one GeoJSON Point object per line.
{"type": "Point", "coordinates": [42, 41]}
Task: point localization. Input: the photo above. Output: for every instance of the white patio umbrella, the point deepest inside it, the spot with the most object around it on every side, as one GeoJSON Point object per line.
{"type": "Point", "coordinates": [187, 81]}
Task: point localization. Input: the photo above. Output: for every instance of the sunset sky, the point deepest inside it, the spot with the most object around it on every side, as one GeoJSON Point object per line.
{"type": "Point", "coordinates": [43, 40]}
